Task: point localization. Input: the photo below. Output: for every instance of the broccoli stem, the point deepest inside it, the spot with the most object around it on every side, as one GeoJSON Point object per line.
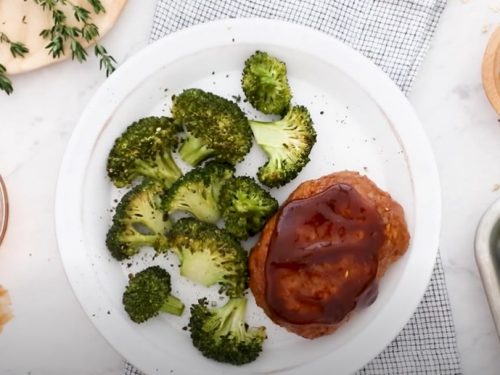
{"type": "Point", "coordinates": [204, 209]}
{"type": "Point", "coordinates": [166, 170]}
{"type": "Point", "coordinates": [194, 151]}
{"type": "Point", "coordinates": [200, 268]}
{"type": "Point", "coordinates": [270, 137]}
{"type": "Point", "coordinates": [173, 305]}
{"type": "Point", "coordinates": [238, 318]}
{"type": "Point", "coordinates": [140, 239]}
{"type": "Point", "coordinates": [232, 318]}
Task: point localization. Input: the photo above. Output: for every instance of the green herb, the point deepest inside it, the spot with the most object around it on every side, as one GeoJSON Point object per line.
{"type": "Point", "coordinates": [61, 34]}
{"type": "Point", "coordinates": [5, 82]}
{"type": "Point", "coordinates": [17, 49]}
{"type": "Point", "coordinates": [97, 6]}
{"type": "Point", "coordinates": [106, 60]}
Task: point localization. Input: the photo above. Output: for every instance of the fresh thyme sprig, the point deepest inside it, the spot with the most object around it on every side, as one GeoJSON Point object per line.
{"type": "Point", "coordinates": [61, 34]}
{"type": "Point", "coordinates": [5, 82]}
{"type": "Point", "coordinates": [106, 61]}
{"type": "Point", "coordinates": [17, 49]}
{"type": "Point", "coordinates": [97, 6]}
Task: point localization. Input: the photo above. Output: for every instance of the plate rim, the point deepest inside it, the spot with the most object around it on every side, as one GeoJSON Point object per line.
{"type": "Point", "coordinates": [378, 86]}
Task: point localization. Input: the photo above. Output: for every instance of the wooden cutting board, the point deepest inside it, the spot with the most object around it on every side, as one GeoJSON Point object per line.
{"type": "Point", "coordinates": [491, 70]}
{"type": "Point", "coordinates": [22, 20]}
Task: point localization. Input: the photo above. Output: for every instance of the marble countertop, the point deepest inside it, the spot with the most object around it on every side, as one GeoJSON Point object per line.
{"type": "Point", "coordinates": [50, 333]}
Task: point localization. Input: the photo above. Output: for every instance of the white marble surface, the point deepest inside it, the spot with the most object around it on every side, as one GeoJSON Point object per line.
{"type": "Point", "coordinates": [51, 335]}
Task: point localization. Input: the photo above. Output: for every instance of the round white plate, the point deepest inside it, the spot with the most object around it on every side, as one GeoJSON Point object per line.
{"type": "Point", "coordinates": [364, 123]}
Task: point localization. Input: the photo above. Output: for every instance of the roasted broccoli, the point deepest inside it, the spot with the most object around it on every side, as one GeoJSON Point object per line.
{"type": "Point", "coordinates": [145, 149]}
{"type": "Point", "coordinates": [265, 83]}
{"type": "Point", "coordinates": [287, 143]}
{"type": "Point", "coordinates": [148, 293]}
{"type": "Point", "coordinates": [217, 127]}
{"type": "Point", "coordinates": [245, 206]}
{"type": "Point", "coordinates": [209, 255]}
{"type": "Point", "coordinates": [197, 192]}
{"type": "Point", "coordinates": [221, 333]}
{"type": "Point", "coordinates": [138, 221]}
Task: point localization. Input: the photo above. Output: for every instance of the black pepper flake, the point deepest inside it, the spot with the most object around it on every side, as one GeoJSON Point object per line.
{"type": "Point", "coordinates": [184, 328]}
{"type": "Point", "coordinates": [232, 40]}
{"type": "Point", "coordinates": [213, 73]}
{"type": "Point", "coordinates": [129, 265]}
{"type": "Point", "coordinates": [109, 312]}
{"type": "Point", "coordinates": [322, 112]}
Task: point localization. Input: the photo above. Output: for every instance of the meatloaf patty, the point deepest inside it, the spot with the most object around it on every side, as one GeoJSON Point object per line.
{"type": "Point", "coordinates": [314, 278]}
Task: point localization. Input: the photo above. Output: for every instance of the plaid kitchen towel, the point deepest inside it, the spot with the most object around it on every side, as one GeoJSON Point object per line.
{"type": "Point", "coordinates": [395, 34]}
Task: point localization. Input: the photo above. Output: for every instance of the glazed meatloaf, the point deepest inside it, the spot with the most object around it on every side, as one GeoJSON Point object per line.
{"type": "Point", "coordinates": [320, 256]}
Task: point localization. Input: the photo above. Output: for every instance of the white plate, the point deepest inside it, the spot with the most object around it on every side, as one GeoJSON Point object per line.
{"type": "Point", "coordinates": [364, 123]}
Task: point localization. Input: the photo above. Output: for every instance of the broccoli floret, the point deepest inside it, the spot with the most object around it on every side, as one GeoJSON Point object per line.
{"type": "Point", "coordinates": [265, 83]}
{"type": "Point", "coordinates": [197, 192]}
{"type": "Point", "coordinates": [145, 149]}
{"type": "Point", "coordinates": [138, 221]}
{"type": "Point", "coordinates": [221, 333]}
{"type": "Point", "coordinates": [148, 294]}
{"type": "Point", "coordinates": [245, 206]}
{"type": "Point", "coordinates": [209, 255]}
{"type": "Point", "coordinates": [217, 127]}
{"type": "Point", "coordinates": [287, 143]}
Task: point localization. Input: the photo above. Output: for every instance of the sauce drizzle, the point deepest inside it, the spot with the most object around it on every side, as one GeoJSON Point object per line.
{"type": "Point", "coordinates": [323, 257]}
